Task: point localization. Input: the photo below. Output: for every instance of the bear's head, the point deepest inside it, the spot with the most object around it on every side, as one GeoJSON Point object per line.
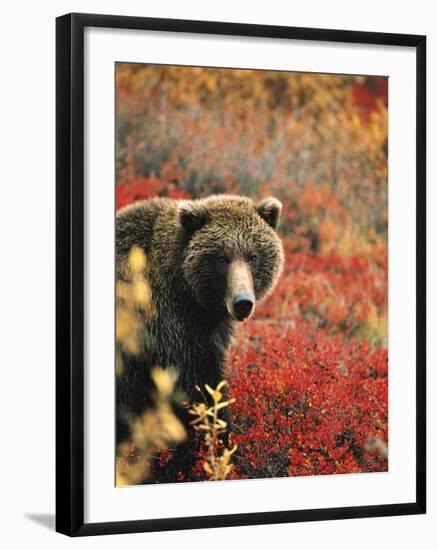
{"type": "Point", "coordinates": [232, 255]}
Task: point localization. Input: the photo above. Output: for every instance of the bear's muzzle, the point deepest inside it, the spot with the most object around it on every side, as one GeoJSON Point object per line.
{"type": "Point", "coordinates": [240, 297]}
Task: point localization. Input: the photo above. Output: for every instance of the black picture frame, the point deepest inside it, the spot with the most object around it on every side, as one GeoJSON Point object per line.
{"type": "Point", "coordinates": [70, 272]}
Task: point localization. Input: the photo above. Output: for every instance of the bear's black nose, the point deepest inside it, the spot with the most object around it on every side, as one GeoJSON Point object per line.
{"type": "Point", "coordinates": [243, 305]}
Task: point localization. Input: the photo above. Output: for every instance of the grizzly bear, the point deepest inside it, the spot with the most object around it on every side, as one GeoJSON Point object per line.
{"type": "Point", "coordinates": [209, 261]}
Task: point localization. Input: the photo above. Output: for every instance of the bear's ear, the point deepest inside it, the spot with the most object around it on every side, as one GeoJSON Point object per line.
{"type": "Point", "coordinates": [270, 210]}
{"type": "Point", "coordinates": [193, 216]}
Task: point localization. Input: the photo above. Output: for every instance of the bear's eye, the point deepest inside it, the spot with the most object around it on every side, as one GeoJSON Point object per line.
{"type": "Point", "coordinates": [223, 260]}
{"type": "Point", "coordinates": [253, 259]}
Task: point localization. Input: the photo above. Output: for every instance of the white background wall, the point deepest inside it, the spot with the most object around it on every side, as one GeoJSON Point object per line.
{"type": "Point", "coordinates": [27, 185]}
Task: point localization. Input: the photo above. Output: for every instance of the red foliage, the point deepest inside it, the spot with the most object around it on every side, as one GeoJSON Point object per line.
{"type": "Point", "coordinates": [147, 188]}
{"type": "Point", "coordinates": [338, 292]}
{"type": "Point", "coordinates": [310, 399]}
{"type": "Point", "coordinates": [367, 95]}
{"type": "Point", "coordinates": [307, 403]}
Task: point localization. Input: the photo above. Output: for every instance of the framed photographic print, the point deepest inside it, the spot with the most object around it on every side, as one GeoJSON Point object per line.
{"type": "Point", "coordinates": [240, 274]}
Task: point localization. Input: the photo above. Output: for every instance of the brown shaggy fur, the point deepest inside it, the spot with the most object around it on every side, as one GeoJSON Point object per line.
{"type": "Point", "coordinates": [189, 246]}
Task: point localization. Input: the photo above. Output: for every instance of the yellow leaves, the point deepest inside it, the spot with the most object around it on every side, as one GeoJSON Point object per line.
{"type": "Point", "coordinates": [142, 292]}
{"type": "Point", "coordinates": [217, 389]}
{"type": "Point", "coordinates": [199, 409]}
{"type": "Point", "coordinates": [133, 297]}
{"type": "Point", "coordinates": [164, 381]}
{"type": "Point", "coordinates": [164, 424]}
{"type": "Point", "coordinates": [126, 328]}
{"type": "Point", "coordinates": [222, 465]}
{"type": "Point", "coordinates": [215, 394]}
{"type": "Point", "coordinates": [225, 403]}
{"type": "Point", "coordinates": [131, 471]}
{"type": "Point", "coordinates": [172, 430]}
{"type": "Point", "coordinates": [158, 427]}
{"type": "Point", "coordinates": [137, 260]}
{"type": "Point", "coordinates": [356, 122]}
{"type": "Point", "coordinates": [206, 420]}
{"type": "Point", "coordinates": [227, 453]}
{"type": "Point", "coordinates": [211, 82]}
{"type": "Point", "coordinates": [221, 423]}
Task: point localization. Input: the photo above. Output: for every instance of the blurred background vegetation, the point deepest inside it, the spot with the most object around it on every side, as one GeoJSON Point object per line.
{"type": "Point", "coordinates": [318, 142]}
